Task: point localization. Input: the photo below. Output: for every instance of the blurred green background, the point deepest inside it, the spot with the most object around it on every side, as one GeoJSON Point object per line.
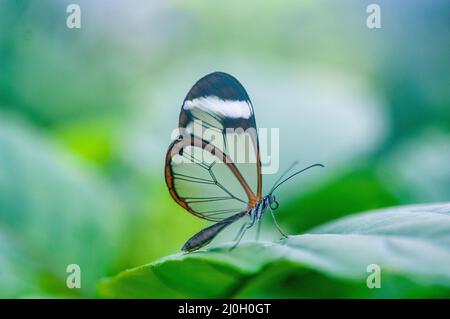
{"type": "Point", "coordinates": [86, 116]}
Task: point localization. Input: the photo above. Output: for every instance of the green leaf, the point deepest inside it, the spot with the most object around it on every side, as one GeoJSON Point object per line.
{"type": "Point", "coordinates": [411, 244]}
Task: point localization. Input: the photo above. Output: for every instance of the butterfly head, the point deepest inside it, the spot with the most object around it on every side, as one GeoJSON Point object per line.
{"type": "Point", "coordinates": [272, 201]}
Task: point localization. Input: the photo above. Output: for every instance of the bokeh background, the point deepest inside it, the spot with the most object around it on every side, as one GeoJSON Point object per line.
{"type": "Point", "coordinates": [86, 116]}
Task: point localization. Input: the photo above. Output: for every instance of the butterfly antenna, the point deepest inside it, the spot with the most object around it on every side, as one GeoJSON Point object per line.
{"type": "Point", "coordinates": [288, 178]}
{"type": "Point", "coordinates": [282, 175]}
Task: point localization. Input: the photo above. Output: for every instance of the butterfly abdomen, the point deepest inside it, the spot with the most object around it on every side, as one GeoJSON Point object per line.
{"type": "Point", "coordinates": [203, 237]}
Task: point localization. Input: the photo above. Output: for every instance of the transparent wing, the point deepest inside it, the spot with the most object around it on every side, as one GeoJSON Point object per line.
{"type": "Point", "coordinates": [213, 170]}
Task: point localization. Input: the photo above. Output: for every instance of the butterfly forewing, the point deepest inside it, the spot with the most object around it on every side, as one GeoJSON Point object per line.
{"type": "Point", "coordinates": [213, 169]}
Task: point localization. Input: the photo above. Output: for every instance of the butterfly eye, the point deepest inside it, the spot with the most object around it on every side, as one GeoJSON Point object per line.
{"type": "Point", "coordinates": [274, 204]}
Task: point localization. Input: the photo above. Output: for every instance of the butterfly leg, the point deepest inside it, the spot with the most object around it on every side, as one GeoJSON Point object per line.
{"type": "Point", "coordinates": [241, 235]}
{"type": "Point", "coordinates": [258, 229]}
{"type": "Point", "coordinates": [259, 214]}
{"type": "Point", "coordinates": [242, 231]}
{"type": "Point", "coordinates": [276, 224]}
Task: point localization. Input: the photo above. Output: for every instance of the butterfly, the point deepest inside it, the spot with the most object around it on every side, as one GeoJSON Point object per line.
{"type": "Point", "coordinates": [213, 167]}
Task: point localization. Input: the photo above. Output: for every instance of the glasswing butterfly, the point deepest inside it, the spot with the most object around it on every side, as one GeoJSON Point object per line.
{"type": "Point", "coordinates": [213, 168]}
